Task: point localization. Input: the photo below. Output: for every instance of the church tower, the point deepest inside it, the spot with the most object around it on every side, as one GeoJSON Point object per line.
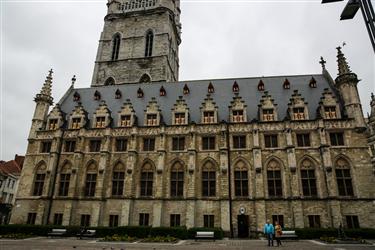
{"type": "Point", "coordinates": [139, 42]}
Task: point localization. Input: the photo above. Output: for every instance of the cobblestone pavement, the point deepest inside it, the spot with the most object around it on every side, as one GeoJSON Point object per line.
{"type": "Point", "coordinates": [72, 243]}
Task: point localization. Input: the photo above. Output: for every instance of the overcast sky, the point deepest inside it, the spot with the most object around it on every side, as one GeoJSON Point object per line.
{"type": "Point", "coordinates": [220, 39]}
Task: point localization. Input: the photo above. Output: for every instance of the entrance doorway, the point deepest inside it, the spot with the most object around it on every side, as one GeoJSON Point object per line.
{"type": "Point", "coordinates": [243, 226]}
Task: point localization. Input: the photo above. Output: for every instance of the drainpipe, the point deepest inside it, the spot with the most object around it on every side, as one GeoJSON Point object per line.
{"type": "Point", "coordinates": [53, 179]}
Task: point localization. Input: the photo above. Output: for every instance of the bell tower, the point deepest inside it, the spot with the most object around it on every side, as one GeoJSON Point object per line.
{"type": "Point", "coordinates": [139, 42]}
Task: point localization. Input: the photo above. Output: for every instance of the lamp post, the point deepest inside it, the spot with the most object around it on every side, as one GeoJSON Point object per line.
{"type": "Point", "coordinates": [351, 8]}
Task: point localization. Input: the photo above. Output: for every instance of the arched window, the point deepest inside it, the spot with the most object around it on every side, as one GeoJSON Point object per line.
{"type": "Point", "coordinates": [147, 177]}
{"type": "Point", "coordinates": [90, 185]}
{"type": "Point", "coordinates": [149, 43]}
{"type": "Point", "coordinates": [241, 183]}
{"type": "Point", "coordinates": [40, 176]}
{"type": "Point", "coordinates": [208, 179]}
{"type": "Point", "coordinates": [109, 81]}
{"type": "Point", "coordinates": [343, 178]}
{"type": "Point", "coordinates": [64, 180]}
{"type": "Point", "coordinates": [308, 178]}
{"type": "Point", "coordinates": [177, 180]}
{"type": "Point", "coordinates": [118, 179]}
{"type": "Point", "coordinates": [116, 47]}
{"type": "Point", "coordinates": [274, 182]}
{"type": "Point", "coordinates": [145, 79]}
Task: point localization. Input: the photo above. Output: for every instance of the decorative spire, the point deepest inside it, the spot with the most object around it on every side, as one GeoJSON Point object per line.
{"type": "Point", "coordinates": [323, 63]}
{"type": "Point", "coordinates": [372, 104]}
{"type": "Point", "coordinates": [74, 79]}
{"type": "Point", "coordinates": [342, 64]}
{"type": "Point", "coordinates": [46, 91]}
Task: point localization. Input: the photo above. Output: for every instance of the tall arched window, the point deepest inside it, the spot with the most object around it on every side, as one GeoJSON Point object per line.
{"type": "Point", "coordinates": [177, 180]}
{"type": "Point", "coordinates": [308, 178]}
{"type": "Point", "coordinates": [241, 183]}
{"type": "Point", "coordinates": [118, 179]}
{"type": "Point", "coordinates": [90, 185]}
{"type": "Point", "coordinates": [147, 177]}
{"type": "Point", "coordinates": [40, 175]}
{"type": "Point", "coordinates": [208, 179]}
{"type": "Point", "coordinates": [343, 178]}
{"type": "Point", "coordinates": [149, 43]}
{"type": "Point", "coordinates": [116, 47]}
{"type": "Point", "coordinates": [274, 179]}
{"type": "Point", "coordinates": [64, 179]}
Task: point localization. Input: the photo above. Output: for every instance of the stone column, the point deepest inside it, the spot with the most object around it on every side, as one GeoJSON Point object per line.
{"type": "Point", "coordinates": [225, 215]}
{"type": "Point", "coordinates": [125, 213]}
{"type": "Point", "coordinates": [336, 215]}
{"type": "Point", "coordinates": [157, 213]}
{"type": "Point", "coordinates": [297, 211]}
{"type": "Point", "coordinates": [327, 162]}
{"type": "Point", "coordinates": [260, 211]}
{"type": "Point", "coordinates": [190, 214]}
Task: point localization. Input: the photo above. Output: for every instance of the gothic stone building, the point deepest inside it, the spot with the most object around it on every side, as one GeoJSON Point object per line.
{"type": "Point", "coordinates": [139, 147]}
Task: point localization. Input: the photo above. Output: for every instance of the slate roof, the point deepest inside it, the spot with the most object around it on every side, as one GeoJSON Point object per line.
{"type": "Point", "coordinates": [223, 95]}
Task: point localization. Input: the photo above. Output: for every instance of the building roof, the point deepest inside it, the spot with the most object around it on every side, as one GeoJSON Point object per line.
{"type": "Point", "coordinates": [10, 167]}
{"type": "Point", "coordinates": [222, 96]}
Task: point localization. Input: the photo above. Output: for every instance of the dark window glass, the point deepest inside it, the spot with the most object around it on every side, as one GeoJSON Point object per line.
{"type": "Point", "coordinates": [308, 183]}
{"type": "Point", "coordinates": [152, 119]}
{"type": "Point", "coordinates": [238, 116]}
{"type": "Point", "coordinates": [76, 123]}
{"type": "Point", "coordinates": [299, 113]}
{"type": "Point", "coordinates": [314, 221]}
{"type": "Point", "coordinates": [352, 221]}
{"type": "Point", "coordinates": [337, 139]}
{"type": "Point", "coordinates": [125, 120]}
{"type": "Point", "coordinates": [115, 47]}
{"type": "Point", "coordinates": [90, 185]}
{"type": "Point", "coordinates": [178, 143]}
{"type": "Point", "coordinates": [121, 145]}
{"type": "Point", "coordinates": [175, 220]}
{"type": "Point", "coordinates": [208, 220]}
{"type": "Point", "coordinates": [208, 117]}
{"type": "Point", "coordinates": [85, 220]}
{"type": "Point", "coordinates": [241, 183]}
{"type": "Point", "coordinates": [208, 183]}
{"type": "Point", "coordinates": [330, 112]}
{"type": "Point", "coordinates": [149, 44]}
{"type": "Point", "coordinates": [52, 124]}
{"type": "Point", "coordinates": [143, 219]}
{"type": "Point", "coordinates": [274, 183]}
{"type": "Point", "coordinates": [70, 146]}
{"type": "Point", "coordinates": [303, 140]}
{"type": "Point", "coordinates": [177, 183]}
{"type": "Point", "coordinates": [279, 218]}
{"type": "Point", "coordinates": [118, 183]}
{"type": "Point", "coordinates": [268, 115]}
{"type": "Point", "coordinates": [179, 118]}
{"type": "Point", "coordinates": [100, 122]}
{"type": "Point", "coordinates": [113, 220]}
{"type": "Point", "coordinates": [148, 144]}
{"type": "Point", "coordinates": [95, 145]}
{"type": "Point", "coordinates": [270, 141]}
{"type": "Point", "coordinates": [64, 184]}
{"type": "Point", "coordinates": [57, 219]}
{"type": "Point", "coordinates": [146, 183]}
{"type": "Point", "coordinates": [239, 141]}
{"type": "Point", "coordinates": [208, 143]}
{"type": "Point", "coordinates": [38, 184]}
{"type": "Point", "coordinates": [344, 182]}
{"type": "Point", "coordinates": [31, 217]}
{"type": "Point", "coordinates": [46, 147]}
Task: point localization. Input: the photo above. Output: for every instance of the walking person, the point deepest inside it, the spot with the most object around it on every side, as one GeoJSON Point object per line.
{"type": "Point", "coordinates": [278, 233]}
{"type": "Point", "coordinates": [269, 231]}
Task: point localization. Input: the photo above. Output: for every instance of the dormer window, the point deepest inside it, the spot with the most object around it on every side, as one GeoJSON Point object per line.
{"type": "Point", "coordinates": [76, 97]}
{"type": "Point", "coordinates": [162, 91]}
{"type": "Point", "coordinates": [208, 117]}
{"type": "Point", "coordinates": [97, 96]}
{"type": "Point", "coordinates": [125, 121]}
{"type": "Point", "coordinates": [211, 88]}
{"type": "Point", "coordinates": [76, 123]}
{"type": "Point", "coordinates": [235, 87]}
{"type": "Point", "coordinates": [286, 84]}
{"type": "Point", "coordinates": [261, 86]}
{"type": "Point", "coordinates": [53, 124]}
{"type": "Point", "coordinates": [298, 113]}
{"type": "Point", "coordinates": [179, 118]}
{"type": "Point", "coordinates": [152, 120]}
{"type": "Point", "coordinates": [312, 83]}
{"type": "Point", "coordinates": [118, 94]}
{"type": "Point", "coordinates": [238, 116]}
{"type": "Point", "coordinates": [330, 112]}
{"type": "Point", "coordinates": [186, 90]}
{"type": "Point", "coordinates": [268, 115]}
{"type": "Point", "coordinates": [140, 93]}
{"type": "Point", "coordinates": [100, 122]}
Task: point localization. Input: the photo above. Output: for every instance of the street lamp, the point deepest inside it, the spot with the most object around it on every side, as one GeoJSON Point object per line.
{"type": "Point", "coordinates": [350, 10]}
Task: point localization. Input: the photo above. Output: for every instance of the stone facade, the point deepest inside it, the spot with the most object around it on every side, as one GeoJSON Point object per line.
{"type": "Point", "coordinates": [147, 143]}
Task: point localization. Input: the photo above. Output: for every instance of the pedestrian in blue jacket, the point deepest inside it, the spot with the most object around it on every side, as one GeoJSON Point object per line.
{"type": "Point", "coordinates": [269, 231]}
